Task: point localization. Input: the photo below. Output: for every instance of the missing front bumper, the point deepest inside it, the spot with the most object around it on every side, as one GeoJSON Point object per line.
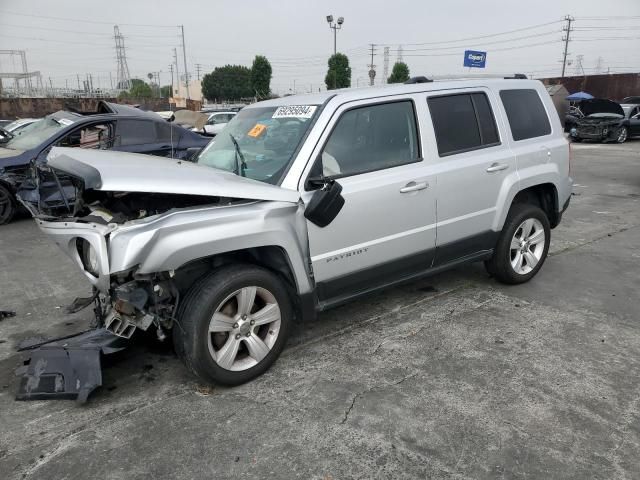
{"type": "Point", "coordinates": [67, 368]}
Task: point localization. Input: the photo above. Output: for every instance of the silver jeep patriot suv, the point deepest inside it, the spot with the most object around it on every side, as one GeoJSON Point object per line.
{"type": "Point", "coordinates": [306, 202]}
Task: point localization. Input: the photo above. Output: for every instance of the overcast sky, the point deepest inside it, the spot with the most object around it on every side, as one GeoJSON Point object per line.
{"type": "Point", "coordinates": [295, 36]}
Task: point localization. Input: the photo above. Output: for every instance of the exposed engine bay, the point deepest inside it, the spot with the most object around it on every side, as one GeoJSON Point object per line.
{"type": "Point", "coordinates": [48, 193]}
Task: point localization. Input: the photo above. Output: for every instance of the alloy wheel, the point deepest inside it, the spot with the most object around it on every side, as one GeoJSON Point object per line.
{"type": "Point", "coordinates": [527, 246]}
{"type": "Point", "coordinates": [622, 135]}
{"type": "Point", "coordinates": [244, 328]}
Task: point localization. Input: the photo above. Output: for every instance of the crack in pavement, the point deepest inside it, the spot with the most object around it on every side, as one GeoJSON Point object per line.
{"type": "Point", "coordinates": [593, 240]}
{"type": "Point", "coordinates": [370, 389]}
{"type": "Point", "coordinates": [366, 321]}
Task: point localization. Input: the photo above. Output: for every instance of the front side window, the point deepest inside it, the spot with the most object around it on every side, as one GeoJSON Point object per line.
{"type": "Point", "coordinates": [526, 113]}
{"type": "Point", "coordinates": [462, 122]}
{"type": "Point", "coordinates": [371, 138]}
{"type": "Point", "coordinates": [265, 137]}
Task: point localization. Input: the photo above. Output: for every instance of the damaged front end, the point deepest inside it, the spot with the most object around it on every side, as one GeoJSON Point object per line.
{"type": "Point", "coordinates": [81, 221]}
{"type": "Point", "coordinates": [142, 230]}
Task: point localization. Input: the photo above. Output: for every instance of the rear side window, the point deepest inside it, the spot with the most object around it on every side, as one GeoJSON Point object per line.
{"type": "Point", "coordinates": [526, 114]}
{"type": "Point", "coordinates": [137, 132]}
{"type": "Point", "coordinates": [463, 122]}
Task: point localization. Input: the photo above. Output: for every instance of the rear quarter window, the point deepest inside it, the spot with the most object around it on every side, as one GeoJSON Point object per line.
{"type": "Point", "coordinates": [526, 114]}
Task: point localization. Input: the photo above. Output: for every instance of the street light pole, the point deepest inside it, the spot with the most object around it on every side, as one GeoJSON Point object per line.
{"type": "Point", "coordinates": [335, 26]}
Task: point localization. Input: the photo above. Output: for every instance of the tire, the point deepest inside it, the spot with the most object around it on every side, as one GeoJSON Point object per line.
{"type": "Point", "coordinates": [622, 134]}
{"type": "Point", "coordinates": [508, 264]}
{"type": "Point", "coordinates": [8, 205]}
{"type": "Point", "coordinates": [576, 139]}
{"type": "Point", "coordinates": [210, 355]}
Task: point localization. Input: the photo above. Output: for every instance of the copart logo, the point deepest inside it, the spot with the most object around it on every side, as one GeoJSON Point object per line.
{"type": "Point", "coordinates": [352, 253]}
{"type": "Point", "coordinates": [475, 57]}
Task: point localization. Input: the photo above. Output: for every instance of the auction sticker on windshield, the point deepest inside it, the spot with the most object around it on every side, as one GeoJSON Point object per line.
{"type": "Point", "coordinates": [295, 111]}
{"type": "Point", "coordinates": [257, 130]}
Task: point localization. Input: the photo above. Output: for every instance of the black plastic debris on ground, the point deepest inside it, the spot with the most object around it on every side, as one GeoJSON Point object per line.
{"type": "Point", "coordinates": [6, 314]}
{"type": "Point", "coordinates": [66, 368]}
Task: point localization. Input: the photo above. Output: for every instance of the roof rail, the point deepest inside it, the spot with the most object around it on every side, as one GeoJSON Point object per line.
{"type": "Point", "coordinates": [517, 76]}
{"type": "Point", "coordinates": [420, 79]}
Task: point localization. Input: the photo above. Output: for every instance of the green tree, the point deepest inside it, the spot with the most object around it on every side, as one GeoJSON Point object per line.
{"type": "Point", "coordinates": [231, 82]}
{"type": "Point", "coordinates": [165, 92]}
{"type": "Point", "coordinates": [339, 73]}
{"type": "Point", "coordinates": [399, 74]}
{"type": "Point", "coordinates": [261, 77]}
{"type": "Point", "coordinates": [140, 89]}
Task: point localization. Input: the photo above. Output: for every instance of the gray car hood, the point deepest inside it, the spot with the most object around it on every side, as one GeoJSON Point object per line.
{"type": "Point", "coordinates": [131, 172]}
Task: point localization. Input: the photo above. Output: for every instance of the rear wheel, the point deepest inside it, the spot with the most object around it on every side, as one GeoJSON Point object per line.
{"type": "Point", "coordinates": [233, 324]}
{"type": "Point", "coordinates": [7, 205]}
{"type": "Point", "coordinates": [622, 134]}
{"type": "Point", "coordinates": [523, 245]}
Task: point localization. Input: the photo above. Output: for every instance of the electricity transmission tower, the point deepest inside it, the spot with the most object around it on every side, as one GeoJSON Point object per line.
{"type": "Point", "coordinates": [372, 67]}
{"type": "Point", "coordinates": [599, 65]}
{"type": "Point", "coordinates": [399, 58]}
{"type": "Point", "coordinates": [579, 69]}
{"type": "Point", "coordinates": [123, 79]}
{"type": "Point", "coordinates": [386, 65]}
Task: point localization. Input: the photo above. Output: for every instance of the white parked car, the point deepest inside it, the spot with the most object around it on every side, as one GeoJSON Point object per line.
{"type": "Point", "coordinates": [217, 121]}
{"type": "Point", "coordinates": [17, 125]}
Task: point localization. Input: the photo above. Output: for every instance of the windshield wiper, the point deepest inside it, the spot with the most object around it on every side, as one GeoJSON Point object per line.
{"type": "Point", "coordinates": [240, 163]}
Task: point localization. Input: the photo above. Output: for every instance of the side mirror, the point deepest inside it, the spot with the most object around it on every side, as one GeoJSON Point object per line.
{"type": "Point", "coordinates": [325, 204]}
{"type": "Point", "coordinates": [192, 153]}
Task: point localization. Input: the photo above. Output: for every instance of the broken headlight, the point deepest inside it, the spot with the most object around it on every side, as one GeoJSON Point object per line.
{"type": "Point", "coordinates": [88, 255]}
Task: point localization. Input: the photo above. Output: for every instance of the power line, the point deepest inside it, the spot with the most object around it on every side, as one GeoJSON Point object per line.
{"type": "Point", "coordinates": [481, 36]}
{"type": "Point", "coordinates": [493, 50]}
{"type": "Point", "coordinates": [497, 42]}
{"type": "Point", "coordinates": [97, 22]}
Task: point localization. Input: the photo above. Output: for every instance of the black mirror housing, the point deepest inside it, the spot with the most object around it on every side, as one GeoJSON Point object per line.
{"type": "Point", "coordinates": [192, 153]}
{"type": "Point", "coordinates": [325, 204]}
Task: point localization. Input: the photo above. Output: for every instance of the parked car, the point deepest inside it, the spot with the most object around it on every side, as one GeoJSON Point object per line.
{"type": "Point", "coordinates": [310, 201]}
{"type": "Point", "coordinates": [17, 126]}
{"type": "Point", "coordinates": [111, 127]}
{"type": "Point", "coordinates": [11, 129]}
{"type": "Point", "coordinates": [603, 120]}
{"type": "Point", "coordinates": [631, 100]}
{"type": "Point", "coordinates": [216, 122]}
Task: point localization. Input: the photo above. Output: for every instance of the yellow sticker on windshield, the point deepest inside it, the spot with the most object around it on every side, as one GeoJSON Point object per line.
{"type": "Point", "coordinates": [257, 130]}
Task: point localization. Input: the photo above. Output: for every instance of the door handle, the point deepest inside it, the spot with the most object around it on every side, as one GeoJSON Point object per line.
{"type": "Point", "coordinates": [496, 167]}
{"type": "Point", "coordinates": [414, 187]}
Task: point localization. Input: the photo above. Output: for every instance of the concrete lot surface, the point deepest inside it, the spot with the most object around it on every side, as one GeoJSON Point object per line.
{"type": "Point", "coordinates": [454, 376]}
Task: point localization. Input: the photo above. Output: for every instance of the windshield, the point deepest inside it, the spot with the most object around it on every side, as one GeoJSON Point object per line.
{"type": "Point", "coordinates": [33, 135]}
{"type": "Point", "coordinates": [266, 139]}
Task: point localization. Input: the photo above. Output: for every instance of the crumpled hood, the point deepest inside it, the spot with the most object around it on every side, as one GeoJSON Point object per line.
{"type": "Point", "coordinates": [131, 172]}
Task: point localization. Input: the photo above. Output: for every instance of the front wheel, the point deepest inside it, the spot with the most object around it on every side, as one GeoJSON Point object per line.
{"type": "Point", "coordinates": [621, 135]}
{"type": "Point", "coordinates": [233, 324]}
{"type": "Point", "coordinates": [7, 205]}
{"type": "Point", "coordinates": [523, 245]}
